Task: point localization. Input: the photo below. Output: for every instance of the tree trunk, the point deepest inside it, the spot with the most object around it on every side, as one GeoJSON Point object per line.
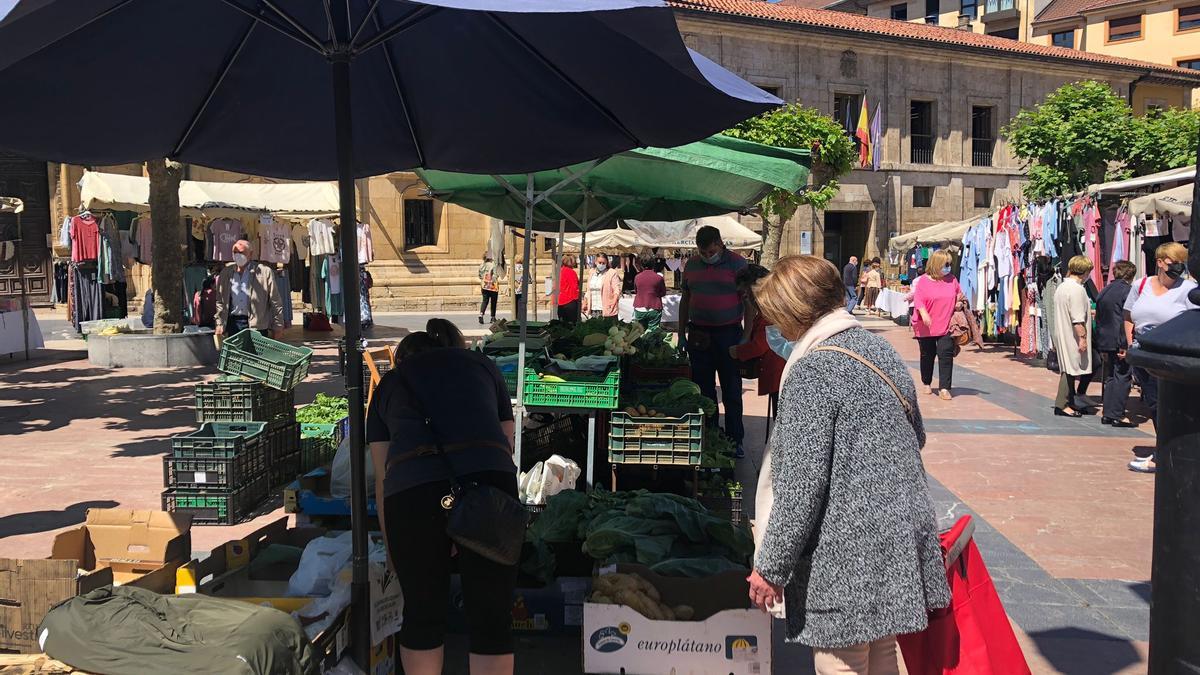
{"type": "Point", "coordinates": [169, 246]}
{"type": "Point", "coordinates": [772, 240]}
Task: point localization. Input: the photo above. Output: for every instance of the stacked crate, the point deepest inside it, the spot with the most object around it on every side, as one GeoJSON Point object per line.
{"type": "Point", "coordinates": [248, 443]}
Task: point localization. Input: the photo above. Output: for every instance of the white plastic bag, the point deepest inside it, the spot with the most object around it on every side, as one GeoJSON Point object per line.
{"type": "Point", "coordinates": [339, 479]}
{"type": "Point", "coordinates": [547, 479]}
{"type": "Point", "coordinates": [319, 565]}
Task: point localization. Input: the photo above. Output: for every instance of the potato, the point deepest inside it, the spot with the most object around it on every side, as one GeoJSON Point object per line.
{"type": "Point", "coordinates": [601, 599]}
{"type": "Point", "coordinates": [642, 409]}
{"type": "Point", "coordinates": [684, 612]}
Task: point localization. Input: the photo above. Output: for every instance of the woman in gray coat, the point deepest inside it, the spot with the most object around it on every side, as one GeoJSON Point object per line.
{"type": "Point", "coordinates": [848, 534]}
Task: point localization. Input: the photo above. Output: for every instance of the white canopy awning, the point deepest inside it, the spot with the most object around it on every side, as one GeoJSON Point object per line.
{"type": "Point", "coordinates": [1163, 177]}
{"type": "Point", "coordinates": [949, 232]}
{"type": "Point", "coordinates": [132, 193]}
{"type": "Point", "coordinates": [620, 238]}
{"type": "Point", "coordinates": [682, 233]}
{"type": "Point", "coordinates": [1174, 202]}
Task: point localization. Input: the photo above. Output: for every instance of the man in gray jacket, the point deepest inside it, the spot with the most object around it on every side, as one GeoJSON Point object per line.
{"type": "Point", "coordinates": [247, 296]}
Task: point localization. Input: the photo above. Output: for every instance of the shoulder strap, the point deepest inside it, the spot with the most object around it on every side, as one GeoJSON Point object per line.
{"type": "Point", "coordinates": [1142, 286]}
{"type": "Point", "coordinates": [904, 402]}
{"type": "Point", "coordinates": [415, 404]}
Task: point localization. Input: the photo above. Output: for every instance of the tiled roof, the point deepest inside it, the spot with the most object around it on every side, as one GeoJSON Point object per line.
{"type": "Point", "coordinates": [826, 19]}
{"type": "Point", "coordinates": [810, 4]}
{"type": "Point", "coordinates": [1066, 9]}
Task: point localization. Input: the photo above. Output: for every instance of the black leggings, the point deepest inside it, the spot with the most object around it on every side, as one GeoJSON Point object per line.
{"type": "Point", "coordinates": [489, 297]}
{"type": "Point", "coordinates": [420, 552]}
{"type": "Point", "coordinates": [941, 348]}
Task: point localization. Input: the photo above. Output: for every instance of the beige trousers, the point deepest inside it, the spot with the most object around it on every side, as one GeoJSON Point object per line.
{"type": "Point", "coordinates": [869, 658]}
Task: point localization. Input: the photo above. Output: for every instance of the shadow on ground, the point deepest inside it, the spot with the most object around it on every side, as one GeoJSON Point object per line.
{"type": "Point", "coordinates": [31, 522]}
{"type": "Point", "coordinates": [1077, 651]}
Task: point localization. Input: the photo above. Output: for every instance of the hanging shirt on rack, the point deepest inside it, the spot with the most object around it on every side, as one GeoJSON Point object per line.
{"type": "Point", "coordinates": [335, 274]}
{"type": "Point", "coordinates": [64, 233]}
{"type": "Point", "coordinates": [225, 232]}
{"type": "Point", "coordinates": [300, 240]}
{"type": "Point", "coordinates": [85, 238]}
{"type": "Point", "coordinates": [366, 249]}
{"type": "Point", "coordinates": [320, 235]}
{"type": "Point", "coordinates": [274, 242]}
{"type": "Point", "coordinates": [144, 235]}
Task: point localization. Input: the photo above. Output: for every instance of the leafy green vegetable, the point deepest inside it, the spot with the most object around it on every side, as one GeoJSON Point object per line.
{"type": "Point", "coordinates": [655, 350]}
{"type": "Point", "coordinates": [718, 450]}
{"type": "Point", "coordinates": [682, 396]}
{"type": "Point", "coordinates": [324, 409]}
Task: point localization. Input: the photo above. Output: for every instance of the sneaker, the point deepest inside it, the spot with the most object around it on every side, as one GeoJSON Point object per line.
{"type": "Point", "coordinates": [480, 319]}
{"type": "Point", "coordinates": [740, 452]}
{"type": "Point", "coordinates": [1143, 465]}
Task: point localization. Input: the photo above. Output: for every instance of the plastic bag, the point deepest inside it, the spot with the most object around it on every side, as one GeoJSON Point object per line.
{"type": "Point", "coordinates": [339, 479]}
{"type": "Point", "coordinates": [547, 479]}
{"type": "Point", "coordinates": [319, 565]}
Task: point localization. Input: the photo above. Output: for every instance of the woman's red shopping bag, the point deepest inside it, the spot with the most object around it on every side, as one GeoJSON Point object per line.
{"type": "Point", "coordinates": [972, 636]}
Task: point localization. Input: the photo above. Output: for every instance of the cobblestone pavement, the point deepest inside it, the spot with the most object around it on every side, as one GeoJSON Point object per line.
{"type": "Point", "coordinates": [1064, 527]}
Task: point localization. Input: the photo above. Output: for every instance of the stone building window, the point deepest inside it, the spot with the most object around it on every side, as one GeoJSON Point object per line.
{"type": "Point", "coordinates": [920, 132]}
{"type": "Point", "coordinates": [983, 198]}
{"type": "Point", "coordinates": [1191, 64]}
{"type": "Point", "coordinates": [900, 12]}
{"type": "Point", "coordinates": [983, 135]}
{"type": "Point", "coordinates": [1065, 38]}
{"type": "Point", "coordinates": [968, 8]}
{"type": "Point", "coordinates": [846, 109]}
{"type": "Point", "coordinates": [922, 197]}
{"type": "Point", "coordinates": [419, 229]}
{"type": "Point", "coordinates": [932, 10]}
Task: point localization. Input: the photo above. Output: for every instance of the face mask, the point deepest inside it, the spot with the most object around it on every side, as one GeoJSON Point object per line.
{"type": "Point", "coordinates": [240, 259]}
{"type": "Point", "coordinates": [1174, 270]}
{"type": "Point", "coordinates": [945, 270]}
{"type": "Point", "coordinates": [778, 343]}
{"type": "Point", "coordinates": [600, 267]}
{"type": "Point", "coordinates": [714, 258]}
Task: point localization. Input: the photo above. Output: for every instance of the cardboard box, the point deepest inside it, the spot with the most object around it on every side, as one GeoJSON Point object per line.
{"type": "Point", "coordinates": [113, 546]}
{"type": "Point", "coordinates": [728, 636]}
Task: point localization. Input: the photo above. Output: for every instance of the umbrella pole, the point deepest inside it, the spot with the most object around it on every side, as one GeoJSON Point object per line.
{"type": "Point", "coordinates": [524, 319]}
{"type": "Point", "coordinates": [558, 256]}
{"type": "Point", "coordinates": [360, 628]}
{"type": "Point", "coordinates": [583, 248]}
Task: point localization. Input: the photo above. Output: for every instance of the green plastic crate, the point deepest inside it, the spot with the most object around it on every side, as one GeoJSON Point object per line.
{"type": "Point", "coordinates": [275, 364]}
{"type": "Point", "coordinates": [232, 398]}
{"type": "Point", "coordinates": [599, 392]}
{"type": "Point", "coordinates": [318, 444]}
{"type": "Point", "coordinates": [656, 440]}
{"type": "Point", "coordinates": [217, 507]}
{"type": "Point", "coordinates": [219, 440]}
{"type": "Point", "coordinates": [283, 442]}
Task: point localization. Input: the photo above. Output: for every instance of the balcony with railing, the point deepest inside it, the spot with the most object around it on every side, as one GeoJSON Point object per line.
{"type": "Point", "coordinates": [921, 150]}
{"type": "Point", "coordinates": [981, 151]}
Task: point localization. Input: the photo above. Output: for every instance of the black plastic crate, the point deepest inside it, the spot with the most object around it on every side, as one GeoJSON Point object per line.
{"type": "Point", "coordinates": [727, 506]}
{"type": "Point", "coordinates": [216, 473]}
{"type": "Point", "coordinates": [217, 507]}
{"type": "Point", "coordinates": [285, 468]}
{"type": "Point", "coordinates": [220, 440]}
{"type": "Point", "coordinates": [318, 444]}
{"type": "Point", "coordinates": [237, 399]}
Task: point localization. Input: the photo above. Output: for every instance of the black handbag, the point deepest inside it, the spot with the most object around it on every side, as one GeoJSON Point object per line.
{"type": "Point", "coordinates": [480, 518]}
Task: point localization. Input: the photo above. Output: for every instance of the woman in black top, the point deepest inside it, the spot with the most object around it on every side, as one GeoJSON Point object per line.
{"type": "Point", "coordinates": [466, 403]}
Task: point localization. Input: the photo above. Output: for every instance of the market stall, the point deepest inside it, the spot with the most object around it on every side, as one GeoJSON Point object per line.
{"type": "Point", "coordinates": [19, 330]}
{"type": "Point", "coordinates": [603, 95]}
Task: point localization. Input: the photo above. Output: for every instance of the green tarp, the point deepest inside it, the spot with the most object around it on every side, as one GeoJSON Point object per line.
{"type": "Point", "coordinates": [717, 175]}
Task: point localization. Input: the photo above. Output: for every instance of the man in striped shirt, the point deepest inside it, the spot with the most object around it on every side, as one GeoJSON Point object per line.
{"type": "Point", "coordinates": [711, 321]}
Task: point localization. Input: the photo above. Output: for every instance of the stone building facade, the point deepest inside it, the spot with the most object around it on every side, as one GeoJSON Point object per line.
{"type": "Point", "coordinates": [944, 95]}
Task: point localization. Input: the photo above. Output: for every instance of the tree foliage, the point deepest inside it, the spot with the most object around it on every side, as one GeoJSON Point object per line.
{"type": "Point", "coordinates": [833, 155]}
{"type": "Point", "coordinates": [1085, 133]}
{"type": "Point", "coordinates": [1070, 138]}
{"type": "Point", "coordinates": [1165, 139]}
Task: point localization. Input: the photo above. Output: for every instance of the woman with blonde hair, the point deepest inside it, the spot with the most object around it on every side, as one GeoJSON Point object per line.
{"type": "Point", "coordinates": [1072, 337]}
{"type": "Point", "coordinates": [844, 530]}
{"type": "Point", "coordinates": [934, 301]}
{"type": "Point", "coordinates": [1152, 302]}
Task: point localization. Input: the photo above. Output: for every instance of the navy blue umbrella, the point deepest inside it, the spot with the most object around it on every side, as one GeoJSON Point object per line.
{"type": "Point", "coordinates": [323, 89]}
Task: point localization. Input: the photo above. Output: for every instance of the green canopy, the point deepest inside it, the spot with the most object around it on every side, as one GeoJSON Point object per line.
{"type": "Point", "coordinates": [717, 175]}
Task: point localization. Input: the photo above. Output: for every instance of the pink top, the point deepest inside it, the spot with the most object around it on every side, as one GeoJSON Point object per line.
{"type": "Point", "coordinates": [937, 298]}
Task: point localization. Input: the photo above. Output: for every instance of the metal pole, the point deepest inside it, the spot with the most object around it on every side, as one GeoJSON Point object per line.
{"type": "Point", "coordinates": [1194, 243]}
{"type": "Point", "coordinates": [583, 247]}
{"type": "Point", "coordinates": [558, 255]}
{"type": "Point", "coordinates": [24, 294]}
{"type": "Point", "coordinates": [360, 628]}
{"type": "Point", "coordinates": [524, 318]}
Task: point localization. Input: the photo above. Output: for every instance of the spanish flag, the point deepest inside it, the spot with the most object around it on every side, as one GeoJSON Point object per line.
{"type": "Point", "coordinates": [863, 133]}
